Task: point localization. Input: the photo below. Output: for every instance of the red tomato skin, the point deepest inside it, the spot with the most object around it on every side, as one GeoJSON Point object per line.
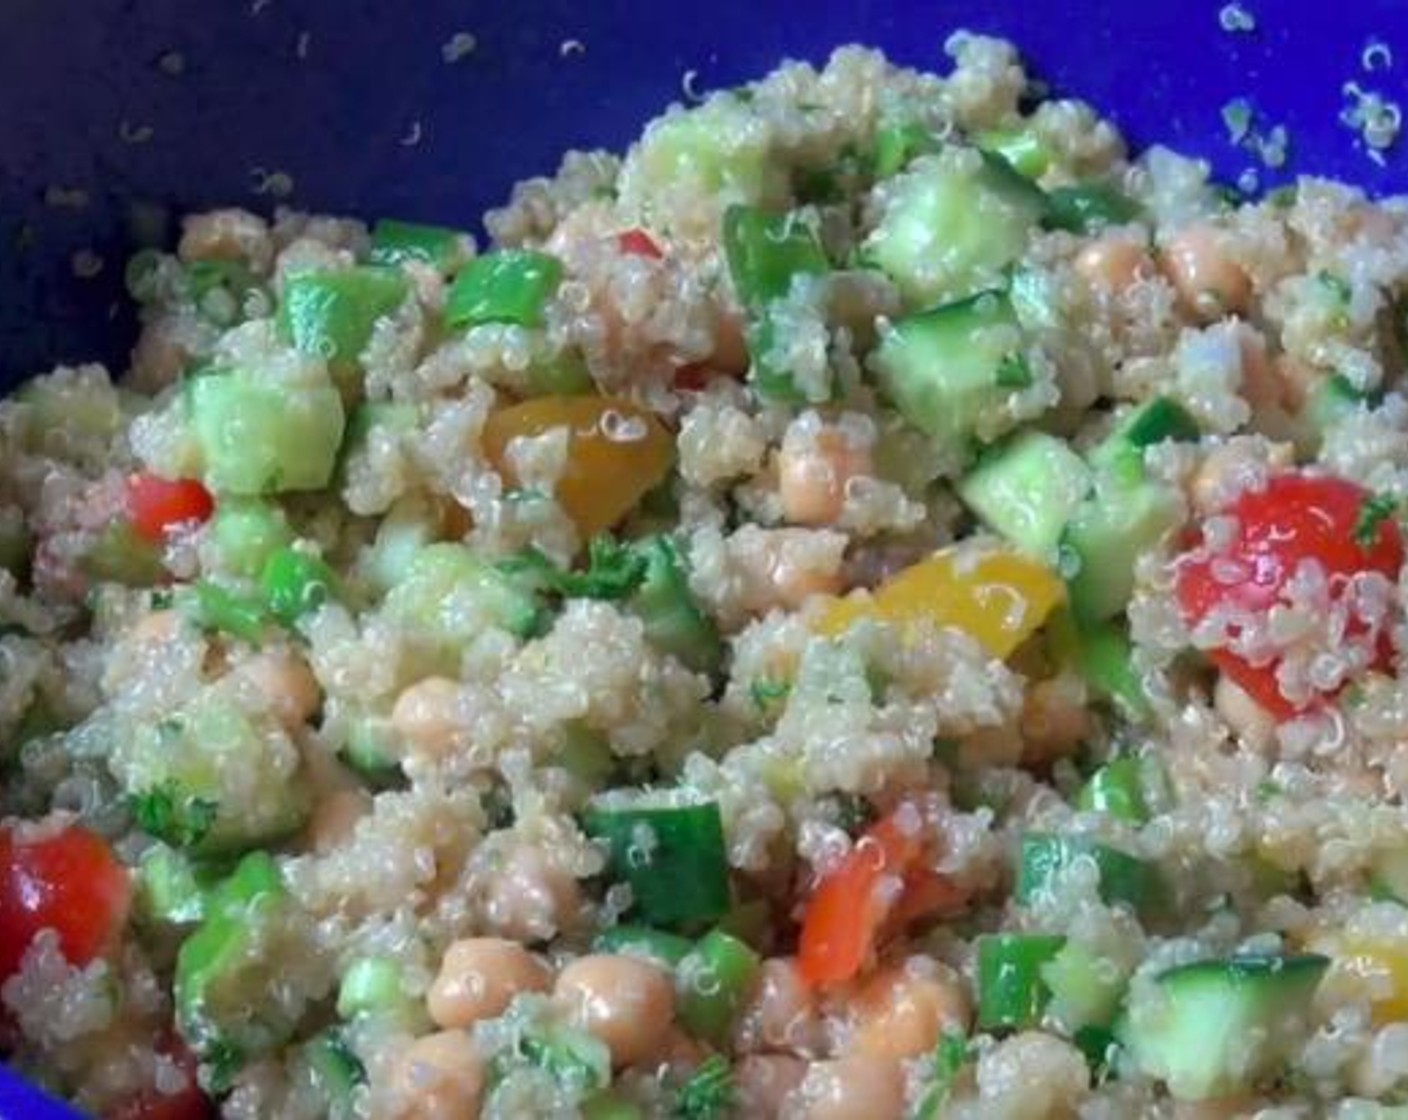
{"type": "Point", "coordinates": [69, 882]}
{"type": "Point", "coordinates": [638, 243]}
{"type": "Point", "coordinates": [1295, 517]}
{"type": "Point", "coordinates": [156, 506]}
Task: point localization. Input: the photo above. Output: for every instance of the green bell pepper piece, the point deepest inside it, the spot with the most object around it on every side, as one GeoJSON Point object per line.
{"type": "Point", "coordinates": [509, 286]}
{"type": "Point", "coordinates": [295, 583]}
{"type": "Point", "coordinates": [1011, 992]}
{"type": "Point", "coordinates": [331, 314]}
{"type": "Point", "coordinates": [394, 242]}
{"type": "Point", "coordinates": [765, 251]}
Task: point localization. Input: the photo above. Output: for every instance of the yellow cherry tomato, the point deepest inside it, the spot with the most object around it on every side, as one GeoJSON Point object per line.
{"type": "Point", "coordinates": [1377, 960]}
{"type": "Point", "coordinates": [618, 453]}
{"type": "Point", "coordinates": [998, 596]}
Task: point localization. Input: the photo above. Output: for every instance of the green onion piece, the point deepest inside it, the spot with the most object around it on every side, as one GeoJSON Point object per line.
{"type": "Point", "coordinates": [1123, 878]}
{"type": "Point", "coordinates": [674, 860]}
{"type": "Point", "coordinates": [331, 314]}
{"type": "Point", "coordinates": [765, 251]}
{"type": "Point", "coordinates": [1088, 208]}
{"type": "Point", "coordinates": [395, 242]}
{"type": "Point", "coordinates": [714, 982]}
{"type": "Point", "coordinates": [509, 286]}
{"type": "Point", "coordinates": [295, 583]}
{"type": "Point", "coordinates": [217, 608]}
{"type": "Point", "coordinates": [1117, 789]}
{"type": "Point", "coordinates": [1022, 148]}
{"type": "Point", "coordinates": [1011, 992]}
{"type": "Point", "coordinates": [642, 941]}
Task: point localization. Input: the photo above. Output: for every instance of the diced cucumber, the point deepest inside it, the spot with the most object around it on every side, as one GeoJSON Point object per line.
{"type": "Point", "coordinates": [1026, 489]}
{"type": "Point", "coordinates": [1085, 987]}
{"type": "Point", "coordinates": [170, 889]}
{"type": "Point", "coordinates": [674, 621]}
{"type": "Point", "coordinates": [951, 224]}
{"type": "Point", "coordinates": [943, 368]}
{"type": "Point", "coordinates": [1088, 208]}
{"type": "Point", "coordinates": [258, 436]}
{"type": "Point", "coordinates": [1127, 515]}
{"type": "Point", "coordinates": [331, 314]}
{"type": "Point", "coordinates": [896, 146]}
{"type": "Point", "coordinates": [1103, 655]}
{"type": "Point", "coordinates": [375, 987]}
{"type": "Point", "coordinates": [449, 595]}
{"type": "Point", "coordinates": [243, 534]}
{"type": "Point", "coordinates": [211, 779]}
{"type": "Point", "coordinates": [1217, 1027]}
{"type": "Point", "coordinates": [1021, 147]}
{"type": "Point", "coordinates": [336, 1072]}
{"type": "Point", "coordinates": [1156, 420]}
{"type": "Point", "coordinates": [1124, 879]}
{"type": "Point", "coordinates": [222, 974]}
{"type": "Point", "coordinates": [406, 530]}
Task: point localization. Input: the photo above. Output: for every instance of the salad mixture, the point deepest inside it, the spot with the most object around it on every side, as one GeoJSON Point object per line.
{"type": "Point", "coordinates": [874, 604]}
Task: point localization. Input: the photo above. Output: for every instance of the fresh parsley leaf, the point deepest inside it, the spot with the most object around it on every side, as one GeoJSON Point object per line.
{"type": "Point", "coordinates": [948, 1058]}
{"type": "Point", "coordinates": [222, 1060]}
{"type": "Point", "coordinates": [614, 571]}
{"type": "Point", "coordinates": [1372, 515]}
{"type": "Point", "coordinates": [163, 813]}
{"type": "Point", "coordinates": [709, 1092]}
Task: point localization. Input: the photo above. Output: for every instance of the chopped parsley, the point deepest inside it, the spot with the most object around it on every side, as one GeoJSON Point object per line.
{"type": "Point", "coordinates": [709, 1092]}
{"type": "Point", "coordinates": [1372, 515]}
{"type": "Point", "coordinates": [948, 1058]}
{"type": "Point", "coordinates": [766, 692]}
{"type": "Point", "coordinates": [163, 813]}
{"type": "Point", "coordinates": [614, 571]}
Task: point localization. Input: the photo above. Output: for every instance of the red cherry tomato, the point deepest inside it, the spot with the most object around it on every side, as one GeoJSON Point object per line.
{"type": "Point", "coordinates": [187, 1103]}
{"type": "Point", "coordinates": [69, 882]}
{"type": "Point", "coordinates": [1295, 518]}
{"type": "Point", "coordinates": [880, 886]}
{"type": "Point", "coordinates": [157, 505]}
{"type": "Point", "coordinates": [638, 243]}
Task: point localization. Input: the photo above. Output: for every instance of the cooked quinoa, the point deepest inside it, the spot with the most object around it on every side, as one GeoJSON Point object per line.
{"type": "Point", "coordinates": [874, 603]}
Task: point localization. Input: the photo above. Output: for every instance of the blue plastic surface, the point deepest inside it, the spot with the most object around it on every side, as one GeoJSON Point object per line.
{"type": "Point", "coordinates": [356, 103]}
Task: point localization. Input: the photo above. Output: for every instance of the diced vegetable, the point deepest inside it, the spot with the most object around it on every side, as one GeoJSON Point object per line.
{"type": "Point", "coordinates": [613, 571]}
{"type": "Point", "coordinates": [949, 1057]}
{"type": "Point", "coordinates": [1101, 653]}
{"type": "Point", "coordinates": [450, 595]}
{"type": "Point", "coordinates": [674, 621]}
{"type": "Point", "coordinates": [715, 981]}
{"type": "Point", "coordinates": [228, 612]}
{"type": "Point", "coordinates": [1330, 401]}
{"type": "Point", "coordinates": [244, 533]}
{"type": "Point", "coordinates": [372, 986]}
{"type": "Point", "coordinates": [170, 888]}
{"type": "Point", "coordinates": [672, 857]}
{"type": "Point", "coordinates": [396, 242]}
{"type": "Point", "coordinates": [997, 597]}
{"type": "Point", "coordinates": [1088, 208]}
{"type": "Point", "coordinates": [642, 941]}
{"type": "Point", "coordinates": [260, 436]}
{"type": "Point", "coordinates": [944, 369]}
{"type": "Point", "coordinates": [508, 286]}
{"type": "Point", "coordinates": [1147, 425]}
{"type": "Point", "coordinates": [1026, 489]}
{"type": "Point", "coordinates": [1011, 991]}
{"type": "Point", "coordinates": [336, 1072]}
{"type": "Point", "coordinates": [1216, 1027]}
{"type": "Point", "coordinates": [951, 223]}
{"type": "Point", "coordinates": [68, 881]}
{"type": "Point", "coordinates": [1085, 988]}
{"type": "Point", "coordinates": [896, 146]}
{"type": "Point", "coordinates": [330, 315]}
{"type": "Point", "coordinates": [296, 583]}
{"type": "Point", "coordinates": [617, 453]}
{"type": "Point", "coordinates": [1021, 147]}
{"type": "Point", "coordinates": [1124, 878]}
{"type": "Point", "coordinates": [1295, 519]}
{"type": "Point", "coordinates": [765, 251]}
{"type": "Point", "coordinates": [159, 506]}
{"type": "Point", "coordinates": [1117, 789]}
{"type": "Point", "coordinates": [708, 1094]}
{"type": "Point", "coordinates": [638, 243]}
{"type": "Point", "coordinates": [368, 751]}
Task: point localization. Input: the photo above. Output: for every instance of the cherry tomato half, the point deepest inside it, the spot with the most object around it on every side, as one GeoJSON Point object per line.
{"type": "Point", "coordinates": [1296, 517]}
{"type": "Point", "coordinates": [157, 506]}
{"type": "Point", "coordinates": [69, 882]}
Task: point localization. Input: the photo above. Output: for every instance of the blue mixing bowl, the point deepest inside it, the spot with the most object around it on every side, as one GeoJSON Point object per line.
{"type": "Point", "coordinates": [118, 115]}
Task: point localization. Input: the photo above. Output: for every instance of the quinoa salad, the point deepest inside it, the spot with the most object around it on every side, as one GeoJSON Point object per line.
{"type": "Point", "coordinates": [875, 604]}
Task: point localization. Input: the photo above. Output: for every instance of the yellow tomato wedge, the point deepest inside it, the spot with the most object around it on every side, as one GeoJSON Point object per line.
{"type": "Point", "coordinates": [998, 596]}
{"type": "Point", "coordinates": [618, 453]}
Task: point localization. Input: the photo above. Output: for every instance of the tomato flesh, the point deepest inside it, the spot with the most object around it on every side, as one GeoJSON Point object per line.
{"type": "Point", "coordinates": [157, 506]}
{"type": "Point", "coordinates": [638, 243]}
{"type": "Point", "coordinates": [1295, 518]}
{"type": "Point", "coordinates": [69, 882]}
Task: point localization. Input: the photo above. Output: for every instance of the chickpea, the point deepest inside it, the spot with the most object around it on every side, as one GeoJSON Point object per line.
{"type": "Point", "coordinates": [1248, 720]}
{"type": "Point", "coordinates": [813, 471]}
{"type": "Point", "coordinates": [286, 681]}
{"type": "Point", "coordinates": [849, 1089]}
{"type": "Point", "coordinates": [626, 1002]}
{"type": "Point", "coordinates": [1114, 263]}
{"type": "Point", "coordinates": [426, 718]}
{"type": "Point", "coordinates": [478, 979]}
{"type": "Point", "coordinates": [530, 898]}
{"type": "Point", "coordinates": [902, 1012]}
{"type": "Point", "coordinates": [156, 628]}
{"type": "Point", "coordinates": [1210, 284]}
{"type": "Point", "coordinates": [764, 1082]}
{"type": "Point", "coordinates": [335, 819]}
{"type": "Point", "coordinates": [438, 1077]}
{"type": "Point", "coordinates": [783, 1014]}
